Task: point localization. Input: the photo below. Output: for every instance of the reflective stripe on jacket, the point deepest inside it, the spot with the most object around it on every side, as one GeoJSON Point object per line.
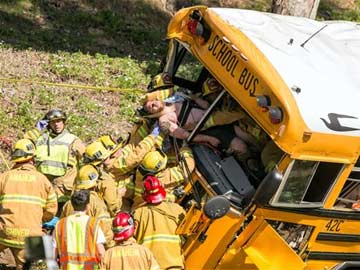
{"type": "Point", "coordinates": [75, 238]}
{"type": "Point", "coordinates": [52, 154]}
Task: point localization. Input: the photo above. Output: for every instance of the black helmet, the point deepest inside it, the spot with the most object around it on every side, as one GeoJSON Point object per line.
{"type": "Point", "coordinates": [55, 114]}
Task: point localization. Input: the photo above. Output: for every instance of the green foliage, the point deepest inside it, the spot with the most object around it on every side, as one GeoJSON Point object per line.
{"type": "Point", "coordinates": [45, 97]}
{"type": "Point", "coordinates": [100, 69]}
{"type": "Point", "coordinates": [127, 106]}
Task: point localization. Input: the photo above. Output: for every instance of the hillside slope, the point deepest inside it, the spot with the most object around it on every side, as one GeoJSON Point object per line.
{"type": "Point", "coordinates": [99, 43]}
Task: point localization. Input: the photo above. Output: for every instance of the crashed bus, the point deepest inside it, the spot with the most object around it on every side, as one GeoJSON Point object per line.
{"type": "Point", "coordinates": [298, 80]}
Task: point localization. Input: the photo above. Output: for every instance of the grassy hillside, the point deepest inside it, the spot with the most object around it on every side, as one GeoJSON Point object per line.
{"type": "Point", "coordinates": [90, 42]}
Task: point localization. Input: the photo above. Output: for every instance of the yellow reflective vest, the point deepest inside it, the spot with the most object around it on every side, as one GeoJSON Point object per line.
{"type": "Point", "coordinates": [76, 237]}
{"type": "Point", "coordinates": [52, 154]}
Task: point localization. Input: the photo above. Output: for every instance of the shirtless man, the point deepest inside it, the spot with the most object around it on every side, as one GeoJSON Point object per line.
{"type": "Point", "coordinates": [228, 137]}
{"type": "Point", "coordinates": [168, 114]}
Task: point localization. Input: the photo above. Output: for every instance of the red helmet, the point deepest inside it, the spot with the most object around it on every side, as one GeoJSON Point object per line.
{"type": "Point", "coordinates": [123, 226]}
{"type": "Point", "coordinates": [154, 192]}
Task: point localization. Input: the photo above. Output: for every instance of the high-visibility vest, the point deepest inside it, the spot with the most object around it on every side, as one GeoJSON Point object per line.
{"type": "Point", "coordinates": [52, 154]}
{"type": "Point", "coordinates": [76, 237]}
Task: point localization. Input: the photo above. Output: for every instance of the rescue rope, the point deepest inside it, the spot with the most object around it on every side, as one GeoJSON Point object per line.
{"type": "Point", "coordinates": [65, 85]}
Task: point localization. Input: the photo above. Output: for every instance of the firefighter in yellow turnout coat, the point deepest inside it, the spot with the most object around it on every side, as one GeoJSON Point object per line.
{"type": "Point", "coordinates": [155, 163]}
{"type": "Point", "coordinates": [127, 254]}
{"type": "Point", "coordinates": [26, 200]}
{"type": "Point", "coordinates": [126, 159]}
{"type": "Point", "coordinates": [156, 223]}
{"type": "Point", "coordinates": [88, 176]}
{"type": "Point", "coordinates": [97, 155]}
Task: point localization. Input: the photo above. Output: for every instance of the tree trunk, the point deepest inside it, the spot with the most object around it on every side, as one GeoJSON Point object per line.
{"type": "Point", "coordinates": [300, 8]}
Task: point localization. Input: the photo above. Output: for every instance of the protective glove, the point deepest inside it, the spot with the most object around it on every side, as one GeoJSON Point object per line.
{"type": "Point", "coordinates": [42, 124]}
{"type": "Point", "coordinates": [50, 224]}
{"type": "Point", "coordinates": [156, 131]}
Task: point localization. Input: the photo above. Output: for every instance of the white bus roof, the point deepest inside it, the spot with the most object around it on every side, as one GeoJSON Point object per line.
{"type": "Point", "coordinates": [322, 59]}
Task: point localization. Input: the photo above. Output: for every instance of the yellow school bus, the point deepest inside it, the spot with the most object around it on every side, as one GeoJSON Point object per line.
{"type": "Point", "coordinates": [298, 80]}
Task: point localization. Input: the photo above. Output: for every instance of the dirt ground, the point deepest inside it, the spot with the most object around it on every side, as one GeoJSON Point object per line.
{"type": "Point", "coordinates": [7, 260]}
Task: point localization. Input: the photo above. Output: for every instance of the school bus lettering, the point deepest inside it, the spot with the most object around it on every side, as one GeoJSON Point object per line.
{"type": "Point", "coordinates": [248, 81]}
{"type": "Point", "coordinates": [224, 55]}
{"type": "Point", "coordinates": [334, 225]}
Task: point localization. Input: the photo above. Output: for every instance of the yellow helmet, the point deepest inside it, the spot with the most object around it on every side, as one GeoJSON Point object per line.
{"type": "Point", "coordinates": [109, 143]}
{"type": "Point", "coordinates": [24, 150]}
{"type": "Point", "coordinates": [95, 153]}
{"type": "Point", "coordinates": [161, 81]}
{"type": "Point", "coordinates": [88, 175]}
{"type": "Point", "coordinates": [210, 86]}
{"type": "Point", "coordinates": [153, 162]}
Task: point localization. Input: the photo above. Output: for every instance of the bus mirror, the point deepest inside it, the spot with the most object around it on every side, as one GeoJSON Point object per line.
{"type": "Point", "coordinates": [267, 188]}
{"type": "Point", "coordinates": [216, 207]}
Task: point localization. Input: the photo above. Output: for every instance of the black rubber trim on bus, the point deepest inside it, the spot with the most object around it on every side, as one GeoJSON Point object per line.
{"type": "Point", "coordinates": [338, 237]}
{"type": "Point", "coordinates": [330, 213]}
{"type": "Point", "coordinates": [333, 256]}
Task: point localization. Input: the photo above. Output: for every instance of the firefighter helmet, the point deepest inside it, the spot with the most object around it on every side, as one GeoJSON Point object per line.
{"type": "Point", "coordinates": [109, 143]}
{"type": "Point", "coordinates": [55, 114]}
{"type": "Point", "coordinates": [24, 150]}
{"type": "Point", "coordinates": [161, 81]}
{"type": "Point", "coordinates": [154, 191]}
{"type": "Point", "coordinates": [95, 153]}
{"type": "Point", "coordinates": [88, 175]}
{"type": "Point", "coordinates": [211, 86]}
{"type": "Point", "coordinates": [153, 162]}
{"type": "Point", "coordinates": [123, 226]}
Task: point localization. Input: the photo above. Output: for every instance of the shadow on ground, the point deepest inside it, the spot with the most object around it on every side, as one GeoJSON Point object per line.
{"type": "Point", "coordinates": [115, 28]}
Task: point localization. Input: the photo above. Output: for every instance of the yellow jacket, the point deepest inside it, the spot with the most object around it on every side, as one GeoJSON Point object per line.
{"type": "Point", "coordinates": [171, 178]}
{"type": "Point", "coordinates": [27, 199]}
{"type": "Point", "coordinates": [129, 255]}
{"type": "Point", "coordinates": [155, 227]}
{"type": "Point", "coordinates": [108, 191]}
{"type": "Point", "coordinates": [130, 157]}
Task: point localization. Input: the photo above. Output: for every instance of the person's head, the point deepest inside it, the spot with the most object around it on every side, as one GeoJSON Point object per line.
{"type": "Point", "coordinates": [153, 106]}
{"type": "Point", "coordinates": [80, 200]}
{"type": "Point", "coordinates": [153, 162]}
{"type": "Point", "coordinates": [95, 153]}
{"type": "Point", "coordinates": [153, 192]}
{"type": "Point", "coordinates": [211, 86]}
{"type": "Point", "coordinates": [123, 226]}
{"type": "Point", "coordinates": [56, 119]}
{"type": "Point", "coordinates": [88, 176]}
{"type": "Point", "coordinates": [160, 81]}
{"type": "Point", "coordinates": [24, 151]}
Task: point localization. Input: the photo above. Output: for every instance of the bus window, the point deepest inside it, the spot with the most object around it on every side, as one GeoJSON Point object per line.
{"type": "Point", "coordinates": [187, 71]}
{"type": "Point", "coordinates": [351, 190]}
{"type": "Point", "coordinates": [307, 183]}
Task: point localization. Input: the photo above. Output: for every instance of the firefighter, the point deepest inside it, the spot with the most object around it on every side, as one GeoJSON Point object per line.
{"type": "Point", "coordinates": [156, 223]}
{"type": "Point", "coordinates": [172, 177]}
{"type": "Point", "coordinates": [127, 159]}
{"type": "Point", "coordinates": [78, 237]}
{"type": "Point", "coordinates": [127, 254]}
{"type": "Point", "coordinates": [26, 200]}
{"type": "Point", "coordinates": [87, 179]}
{"type": "Point", "coordinates": [95, 154]}
{"type": "Point", "coordinates": [58, 152]}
